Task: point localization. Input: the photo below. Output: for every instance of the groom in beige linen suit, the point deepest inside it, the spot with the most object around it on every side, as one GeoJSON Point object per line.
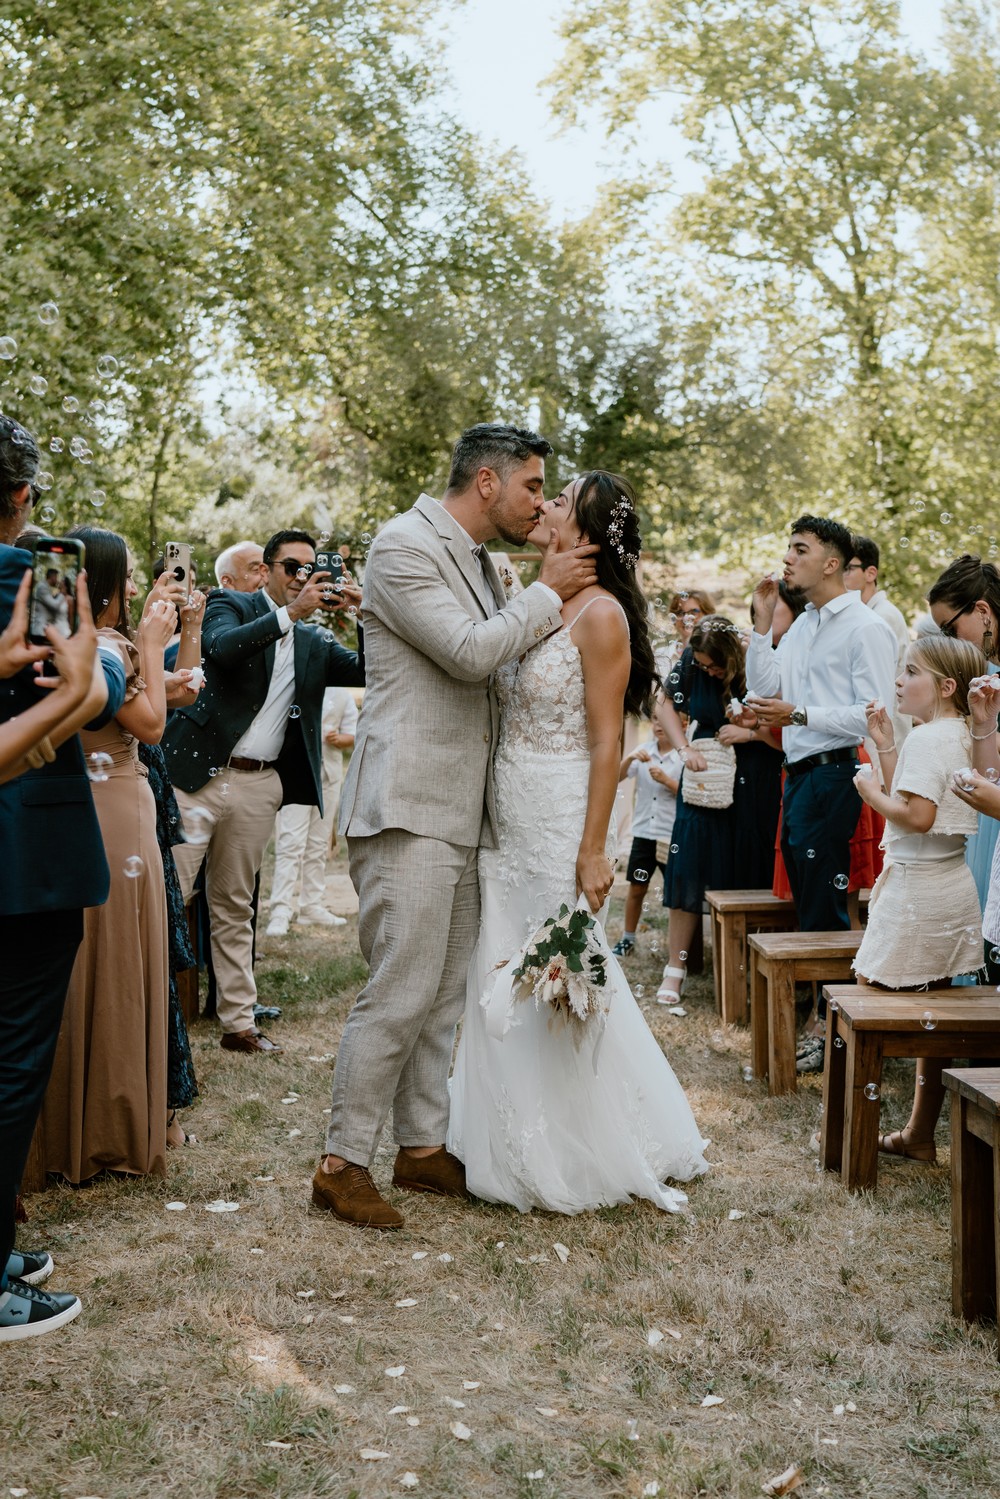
{"type": "Point", "coordinates": [418, 802]}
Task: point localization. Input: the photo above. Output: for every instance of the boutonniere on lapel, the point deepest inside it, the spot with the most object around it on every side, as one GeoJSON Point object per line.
{"type": "Point", "coordinates": [507, 579]}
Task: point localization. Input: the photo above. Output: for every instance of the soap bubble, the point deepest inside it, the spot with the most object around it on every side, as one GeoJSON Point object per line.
{"type": "Point", "coordinates": [945, 517]}
{"type": "Point", "coordinates": [810, 853]}
{"type": "Point", "coordinates": [43, 479]}
{"type": "Point", "coordinates": [38, 385]}
{"type": "Point", "coordinates": [213, 770]}
{"type": "Point", "coordinates": [97, 499]}
{"type": "Point", "coordinates": [8, 348]}
{"type": "Point", "coordinates": [85, 455]}
{"type": "Point", "coordinates": [641, 876]}
{"type": "Point", "coordinates": [56, 444]}
{"type": "Point", "coordinates": [995, 954]}
{"type": "Point", "coordinates": [904, 541]}
{"type": "Point", "coordinates": [295, 711]}
{"type": "Point", "coordinates": [638, 991]}
{"type": "Point", "coordinates": [366, 539]}
{"type": "Point", "coordinates": [683, 957]}
{"type": "Point", "coordinates": [929, 1020]}
{"type": "Point", "coordinates": [47, 515]}
{"type": "Point", "coordinates": [76, 444]}
{"type": "Point", "coordinates": [839, 1043]}
{"type": "Point", "coordinates": [70, 404]}
{"type": "Point", "coordinates": [872, 1092]}
{"type": "Point", "coordinates": [133, 867]}
{"type": "Point", "coordinates": [840, 881]}
{"type": "Point", "coordinates": [47, 314]}
{"type": "Point", "coordinates": [198, 825]}
{"type": "Point", "coordinates": [673, 848]}
{"type": "Point", "coordinates": [919, 505]}
{"type": "Point", "coordinates": [97, 765]}
{"type": "Point", "coordinates": [107, 366]}
{"type": "Point", "coordinates": [678, 697]}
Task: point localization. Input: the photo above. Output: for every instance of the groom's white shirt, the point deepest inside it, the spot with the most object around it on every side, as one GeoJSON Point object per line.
{"type": "Point", "coordinates": [437, 625]}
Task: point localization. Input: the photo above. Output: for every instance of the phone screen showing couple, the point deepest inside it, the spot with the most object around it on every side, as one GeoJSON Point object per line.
{"type": "Point", "coordinates": [55, 569]}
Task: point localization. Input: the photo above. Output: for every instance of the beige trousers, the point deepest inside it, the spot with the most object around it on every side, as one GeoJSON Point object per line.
{"type": "Point", "coordinates": [417, 926]}
{"type": "Point", "coordinates": [228, 822]}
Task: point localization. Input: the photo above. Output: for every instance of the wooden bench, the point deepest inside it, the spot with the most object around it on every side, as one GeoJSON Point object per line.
{"type": "Point", "coordinates": [873, 1024]}
{"type": "Point", "coordinates": [735, 913]}
{"type": "Point", "coordinates": [975, 1191]}
{"type": "Point", "coordinates": [778, 961]}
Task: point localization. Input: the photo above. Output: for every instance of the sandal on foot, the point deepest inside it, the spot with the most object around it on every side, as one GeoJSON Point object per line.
{"type": "Point", "coordinates": [894, 1144]}
{"type": "Point", "coordinates": [667, 994]}
{"type": "Point", "coordinates": [174, 1123]}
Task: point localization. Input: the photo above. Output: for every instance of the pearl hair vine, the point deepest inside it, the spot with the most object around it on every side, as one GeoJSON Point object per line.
{"type": "Point", "coordinates": [620, 512]}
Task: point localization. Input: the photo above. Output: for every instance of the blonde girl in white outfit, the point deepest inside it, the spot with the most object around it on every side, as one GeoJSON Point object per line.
{"type": "Point", "coordinates": [924, 918]}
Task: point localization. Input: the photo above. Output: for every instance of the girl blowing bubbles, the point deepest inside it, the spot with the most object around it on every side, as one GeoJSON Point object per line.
{"type": "Point", "coordinates": [924, 918]}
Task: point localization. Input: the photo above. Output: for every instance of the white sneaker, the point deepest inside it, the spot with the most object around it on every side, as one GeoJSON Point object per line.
{"type": "Point", "coordinates": [278, 924]}
{"type": "Point", "coordinates": [319, 916]}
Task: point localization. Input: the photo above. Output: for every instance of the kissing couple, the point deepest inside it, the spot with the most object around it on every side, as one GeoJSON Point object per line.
{"type": "Point", "coordinates": [478, 801]}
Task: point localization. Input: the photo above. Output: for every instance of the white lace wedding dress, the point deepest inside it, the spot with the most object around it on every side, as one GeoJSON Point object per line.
{"type": "Point", "coordinates": [540, 1119]}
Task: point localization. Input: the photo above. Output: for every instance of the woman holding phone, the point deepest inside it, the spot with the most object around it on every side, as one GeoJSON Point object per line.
{"type": "Point", "coordinates": [106, 1105]}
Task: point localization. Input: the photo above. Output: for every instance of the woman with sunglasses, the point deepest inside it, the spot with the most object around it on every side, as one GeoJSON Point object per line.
{"type": "Point", "coordinates": [965, 605]}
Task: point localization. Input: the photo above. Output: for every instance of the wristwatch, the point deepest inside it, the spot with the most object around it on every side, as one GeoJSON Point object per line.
{"type": "Point", "coordinates": [797, 718]}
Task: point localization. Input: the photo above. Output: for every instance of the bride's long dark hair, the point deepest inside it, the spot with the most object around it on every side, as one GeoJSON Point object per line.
{"type": "Point", "coordinates": [604, 507]}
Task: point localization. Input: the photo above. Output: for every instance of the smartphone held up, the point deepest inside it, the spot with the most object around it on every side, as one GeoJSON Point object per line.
{"type": "Point", "coordinates": [55, 567]}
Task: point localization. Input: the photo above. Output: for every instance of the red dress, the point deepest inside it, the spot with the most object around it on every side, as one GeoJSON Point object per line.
{"type": "Point", "coordinates": [866, 853]}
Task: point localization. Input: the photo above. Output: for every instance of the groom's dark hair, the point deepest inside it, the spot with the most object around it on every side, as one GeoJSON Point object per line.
{"type": "Point", "coordinates": [493, 445]}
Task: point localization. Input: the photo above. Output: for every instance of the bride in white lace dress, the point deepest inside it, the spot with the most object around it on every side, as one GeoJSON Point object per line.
{"type": "Point", "coordinates": [543, 1117]}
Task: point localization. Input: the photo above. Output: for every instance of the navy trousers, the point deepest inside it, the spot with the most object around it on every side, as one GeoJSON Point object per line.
{"type": "Point", "coordinates": [37, 953]}
{"type": "Point", "coordinates": [820, 812]}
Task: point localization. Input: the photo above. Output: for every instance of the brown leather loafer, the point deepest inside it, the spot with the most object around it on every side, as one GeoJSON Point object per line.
{"type": "Point", "coordinates": [251, 1040]}
{"type": "Point", "coordinates": [440, 1173]}
{"type": "Point", "coordinates": [351, 1195]}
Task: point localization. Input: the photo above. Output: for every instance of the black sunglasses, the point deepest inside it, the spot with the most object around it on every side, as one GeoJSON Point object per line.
{"type": "Point", "coordinates": [948, 628]}
{"type": "Point", "coordinates": [293, 568]}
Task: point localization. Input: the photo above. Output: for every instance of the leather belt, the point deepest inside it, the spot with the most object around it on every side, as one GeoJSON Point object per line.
{"type": "Point", "coordinates": [827, 757]}
{"type": "Point", "coordinates": [237, 762]}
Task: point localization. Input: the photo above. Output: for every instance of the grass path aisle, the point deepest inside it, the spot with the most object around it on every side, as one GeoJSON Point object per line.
{"type": "Point", "coordinates": [264, 1352]}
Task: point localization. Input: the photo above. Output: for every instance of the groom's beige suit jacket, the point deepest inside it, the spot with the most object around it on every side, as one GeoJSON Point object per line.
{"type": "Point", "coordinates": [436, 628]}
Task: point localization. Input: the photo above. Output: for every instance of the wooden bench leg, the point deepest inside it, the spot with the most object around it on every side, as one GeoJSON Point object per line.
{"type": "Point", "coordinates": [734, 958]}
{"type": "Point", "coordinates": [717, 960]}
{"type": "Point", "coordinates": [831, 1140]}
{"type": "Point", "coordinates": [973, 1215]}
{"type": "Point", "coordinates": [859, 1168]}
{"type": "Point", "coordinates": [781, 1029]}
{"type": "Point", "coordinates": [758, 1018]}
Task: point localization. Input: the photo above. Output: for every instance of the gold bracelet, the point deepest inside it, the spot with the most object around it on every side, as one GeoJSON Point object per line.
{"type": "Point", "coordinates": [988, 735]}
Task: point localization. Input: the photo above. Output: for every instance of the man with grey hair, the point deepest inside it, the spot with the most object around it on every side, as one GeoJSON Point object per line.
{"type": "Point", "coordinates": [241, 567]}
{"type": "Point", "coordinates": [418, 801]}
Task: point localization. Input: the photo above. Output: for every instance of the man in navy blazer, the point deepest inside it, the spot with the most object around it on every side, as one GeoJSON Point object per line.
{"type": "Point", "coordinates": [251, 743]}
{"type": "Point", "coordinates": [52, 865]}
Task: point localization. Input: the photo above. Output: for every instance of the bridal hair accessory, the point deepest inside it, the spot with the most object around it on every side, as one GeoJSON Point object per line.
{"type": "Point", "coordinates": [565, 966]}
{"type": "Point", "coordinates": [620, 512]}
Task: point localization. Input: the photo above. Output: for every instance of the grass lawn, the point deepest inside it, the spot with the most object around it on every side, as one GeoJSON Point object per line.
{"type": "Point", "coordinates": [263, 1352]}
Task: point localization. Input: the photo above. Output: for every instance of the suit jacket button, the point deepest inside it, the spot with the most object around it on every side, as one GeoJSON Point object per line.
{"type": "Point", "coordinates": [486, 738]}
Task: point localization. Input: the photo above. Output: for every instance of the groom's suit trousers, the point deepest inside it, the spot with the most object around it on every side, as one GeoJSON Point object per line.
{"type": "Point", "coordinates": [419, 900]}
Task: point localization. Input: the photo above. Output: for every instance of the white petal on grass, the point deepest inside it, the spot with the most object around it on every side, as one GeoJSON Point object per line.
{"type": "Point", "coordinates": [263, 1178]}
{"type": "Point", "coordinates": [399, 1410]}
{"type": "Point", "coordinates": [538, 1473]}
{"type": "Point", "coordinates": [458, 1405]}
{"type": "Point", "coordinates": [292, 1098]}
{"type": "Point", "coordinates": [372, 1455]}
{"type": "Point", "coordinates": [407, 1301]}
{"type": "Point", "coordinates": [460, 1431]}
{"type": "Point", "coordinates": [421, 1254]}
{"type": "Point", "coordinates": [348, 1321]}
{"type": "Point", "coordinates": [171, 1207]}
{"type": "Point", "coordinates": [280, 1446]}
{"type": "Point", "coordinates": [17, 1493]}
{"type": "Point", "coordinates": [445, 1259]}
{"type": "Point", "coordinates": [676, 1010]}
{"type": "Point", "coordinates": [396, 1371]}
{"type": "Point", "coordinates": [409, 1481]}
{"type": "Point", "coordinates": [785, 1483]}
{"type": "Point", "coordinates": [472, 1384]}
{"type": "Point", "coordinates": [305, 1295]}
{"type": "Point", "coordinates": [218, 1206]}
{"type": "Point", "coordinates": [654, 1337]}
{"type": "Point", "coordinates": [672, 1333]}
{"type": "Point", "coordinates": [293, 1134]}
{"type": "Point", "coordinates": [546, 1410]}
{"type": "Point", "coordinates": [838, 1410]}
{"type": "Point", "coordinates": [413, 1420]}
{"type": "Point", "coordinates": [714, 1400]}
{"type": "Point", "coordinates": [343, 1389]}
{"type": "Point", "coordinates": [562, 1252]}
{"type": "Point", "coordinates": [734, 1214]}
{"type": "Point", "coordinates": [256, 1251]}
{"type": "Point", "coordinates": [308, 1320]}
{"type": "Point", "coordinates": [651, 1489]}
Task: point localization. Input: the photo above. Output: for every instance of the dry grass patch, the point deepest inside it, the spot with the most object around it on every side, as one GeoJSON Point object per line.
{"type": "Point", "coordinates": [195, 1352]}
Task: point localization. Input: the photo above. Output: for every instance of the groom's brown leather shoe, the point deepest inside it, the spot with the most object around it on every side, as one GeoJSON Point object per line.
{"type": "Point", "coordinates": [351, 1195]}
{"type": "Point", "coordinates": [441, 1173]}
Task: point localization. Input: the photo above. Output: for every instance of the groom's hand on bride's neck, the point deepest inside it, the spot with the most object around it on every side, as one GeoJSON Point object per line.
{"type": "Point", "coordinates": [566, 572]}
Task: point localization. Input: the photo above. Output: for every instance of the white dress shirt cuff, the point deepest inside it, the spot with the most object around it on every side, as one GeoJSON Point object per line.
{"type": "Point", "coordinates": [759, 642]}
{"type": "Point", "coordinates": [554, 598]}
{"type": "Point", "coordinates": [284, 619]}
